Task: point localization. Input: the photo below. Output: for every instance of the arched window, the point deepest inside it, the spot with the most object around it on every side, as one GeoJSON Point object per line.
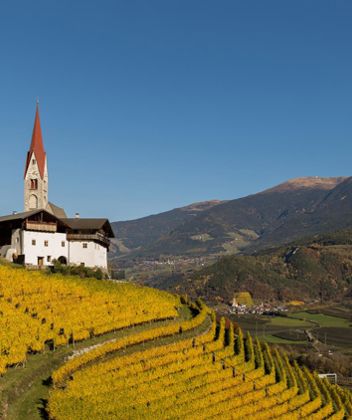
{"type": "Point", "coordinates": [33, 201]}
{"type": "Point", "coordinates": [34, 184]}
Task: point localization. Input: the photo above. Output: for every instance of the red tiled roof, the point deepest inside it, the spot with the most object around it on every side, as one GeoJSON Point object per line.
{"type": "Point", "coordinates": [37, 146]}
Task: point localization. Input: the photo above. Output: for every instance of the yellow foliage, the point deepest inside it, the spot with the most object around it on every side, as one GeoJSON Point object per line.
{"type": "Point", "coordinates": [296, 303]}
{"type": "Point", "coordinates": [243, 298]}
{"type": "Point", "coordinates": [190, 379]}
{"type": "Point", "coordinates": [216, 374]}
{"type": "Point", "coordinates": [36, 308]}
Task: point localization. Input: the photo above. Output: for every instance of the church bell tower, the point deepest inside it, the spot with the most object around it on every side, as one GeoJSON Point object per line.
{"type": "Point", "coordinates": [36, 171]}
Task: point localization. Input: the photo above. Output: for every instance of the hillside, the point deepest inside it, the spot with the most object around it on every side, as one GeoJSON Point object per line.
{"type": "Point", "coordinates": [275, 216]}
{"type": "Point", "coordinates": [136, 234]}
{"type": "Point", "coordinates": [333, 212]}
{"type": "Point", "coordinates": [80, 349]}
{"type": "Point", "coordinates": [319, 268]}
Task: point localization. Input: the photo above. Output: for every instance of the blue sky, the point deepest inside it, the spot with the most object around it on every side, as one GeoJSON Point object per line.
{"type": "Point", "coordinates": [150, 105]}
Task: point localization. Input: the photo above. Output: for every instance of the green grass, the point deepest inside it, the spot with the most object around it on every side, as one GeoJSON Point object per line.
{"type": "Point", "coordinates": [281, 321]}
{"type": "Point", "coordinates": [340, 310]}
{"type": "Point", "coordinates": [271, 323]}
{"type": "Point", "coordinates": [270, 328]}
{"type": "Point", "coordinates": [278, 340]}
{"type": "Point", "coordinates": [277, 330]}
{"type": "Point", "coordinates": [322, 319]}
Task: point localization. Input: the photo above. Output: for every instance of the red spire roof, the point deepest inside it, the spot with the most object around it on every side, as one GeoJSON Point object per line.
{"type": "Point", "coordinates": [37, 146]}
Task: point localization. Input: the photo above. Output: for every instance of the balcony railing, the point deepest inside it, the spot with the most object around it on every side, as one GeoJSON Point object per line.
{"type": "Point", "coordinates": [40, 226]}
{"type": "Point", "coordinates": [95, 237]}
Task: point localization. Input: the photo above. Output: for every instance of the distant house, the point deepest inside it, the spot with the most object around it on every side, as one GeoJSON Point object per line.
{"type": "Point", "coordinates": [43, 233]}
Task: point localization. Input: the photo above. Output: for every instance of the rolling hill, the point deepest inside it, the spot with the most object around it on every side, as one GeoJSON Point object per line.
{"type": "Point", "coordinates": [317, 268]}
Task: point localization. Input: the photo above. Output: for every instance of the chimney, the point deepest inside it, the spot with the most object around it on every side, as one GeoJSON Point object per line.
{"type": "Point", "coordinates": [77, 216]}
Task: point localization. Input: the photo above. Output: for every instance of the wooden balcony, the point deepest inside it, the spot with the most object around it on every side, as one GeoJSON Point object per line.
{"type": "Point", "coordinates": [40, 226]}
{"type": "Point", "coordinates": [95, 237]}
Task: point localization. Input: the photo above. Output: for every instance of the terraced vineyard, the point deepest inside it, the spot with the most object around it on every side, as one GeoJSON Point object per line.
{"type": "Point", "coordinates": [218, 374]}
{"type": "Point", "coordinates": [38, 310]}
{"type": "Point", "coordinates": [178, 363]}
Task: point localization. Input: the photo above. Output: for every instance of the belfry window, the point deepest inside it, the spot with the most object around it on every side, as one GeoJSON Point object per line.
{"type": "Point", "coordinates": [34, 184]}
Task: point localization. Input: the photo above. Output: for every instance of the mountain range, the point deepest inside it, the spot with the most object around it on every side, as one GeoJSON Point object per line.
{"type": "Point", "coordinates": [296, 208]}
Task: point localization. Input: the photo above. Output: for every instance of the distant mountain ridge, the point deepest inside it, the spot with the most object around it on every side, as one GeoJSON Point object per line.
{"type": "Point", "coordinates": [278, 215]}
{"type": "Point", "coordinates": [137, 234]}
{"type": "Point", "coordinates": [310, 182]}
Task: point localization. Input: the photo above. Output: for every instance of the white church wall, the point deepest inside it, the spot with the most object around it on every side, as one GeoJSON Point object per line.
{"type": "Point", "coordinates": [46, 244]}
{"type": "Point", "coordinates": [93, 255]}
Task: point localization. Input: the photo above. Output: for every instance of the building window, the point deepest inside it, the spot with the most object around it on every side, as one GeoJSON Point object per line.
{"type": "Point", "coordinates": [34, 242]}
{"type": "Point", "coordinates": [85, 245]}
{"type": "Point", "coordinates": [34, 184]}
{"type": "Point", "coordinates": [46, 243]}
{"type": "Point", "coordinates": [48, 258]}
{"type": "Point", "coordinates": [33, 161]}
{"type": "Point", "coordinates": [63, 244]}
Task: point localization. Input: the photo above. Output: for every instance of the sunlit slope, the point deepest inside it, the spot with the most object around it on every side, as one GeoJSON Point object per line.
{"type": "Point", "coordinates": [38, 309]}
{"type": "Point", "coordinates": [216, 374]}
{"type": "Point", "coordinates": [188, 367]}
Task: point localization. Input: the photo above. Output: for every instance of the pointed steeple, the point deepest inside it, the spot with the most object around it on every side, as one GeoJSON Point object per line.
{"type": "Point", "coordinates": [37, 146]}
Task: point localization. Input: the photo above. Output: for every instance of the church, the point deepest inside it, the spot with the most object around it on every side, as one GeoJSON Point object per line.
{"type": "Point", "coordinates": [43, 233]}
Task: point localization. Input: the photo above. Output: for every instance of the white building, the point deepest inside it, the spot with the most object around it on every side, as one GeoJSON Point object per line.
{"type": "Point", "coordinates": [43, 233]}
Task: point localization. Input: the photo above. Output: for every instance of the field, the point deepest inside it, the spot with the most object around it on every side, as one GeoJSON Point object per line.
{"type": "Point", "coordinates": [330, 325]}
{"type": "Point", "coordinates": [277, 329]}
{"type": "Point", "coordinates": [322, 320]}
{"type": "Point", "coordinates": [336, 336]}
{"type": "Point", "coordinates": [281, 321]}
{"type": "Point", "coordinates": [82, 349]}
